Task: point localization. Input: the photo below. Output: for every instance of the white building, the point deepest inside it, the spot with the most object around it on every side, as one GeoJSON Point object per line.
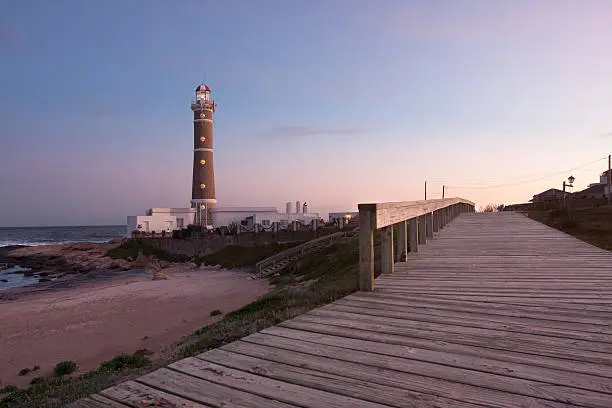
{"type": "Point", "coordinates": [161, 219]}
{"type": "Point", "coordinates": [264, 216]}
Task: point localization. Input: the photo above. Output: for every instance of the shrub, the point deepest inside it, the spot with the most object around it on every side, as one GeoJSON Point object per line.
{"type": "Point", "coordinates": [24, 371]}
{"type": "Point", "coordinates": [36, 368]}
{"type": "Point", "coordinates": [64, 368]}
{"type": "Point", "coordinates": [215, 312]}
{"type": "Point", "coordinates": [8, 389]}
{"type": "Point", "coordinates": [37, 380]}
{"type": "Point", "coordinates": [122, 361]}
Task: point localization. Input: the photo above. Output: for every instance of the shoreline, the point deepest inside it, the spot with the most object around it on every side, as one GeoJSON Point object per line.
{"type": "Point", "coordinates": [94, 320]}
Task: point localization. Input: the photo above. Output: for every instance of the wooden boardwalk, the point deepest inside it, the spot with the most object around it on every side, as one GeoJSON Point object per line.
{"type": "Point", "coordinates": [497, 311]}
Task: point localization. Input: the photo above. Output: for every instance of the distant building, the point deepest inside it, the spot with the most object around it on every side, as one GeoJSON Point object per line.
{"type": "Point", "coordinates": [262, 216]}
{"type": "Point", "coordinates": [548, 196]}
{"type": "Point", "coordinates": [161, 219]}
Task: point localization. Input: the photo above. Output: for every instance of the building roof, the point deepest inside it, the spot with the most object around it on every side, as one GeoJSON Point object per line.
{"type": "Point", "coordinates": [605, 173]}
{"type": "Point", "coordinates": [595, 189]}
{"type": "Point", "coordinates": [202, 88]}
{"type": "Point", "coordinates": [550, 191]}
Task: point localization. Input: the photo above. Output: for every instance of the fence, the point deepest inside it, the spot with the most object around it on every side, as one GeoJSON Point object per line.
{"type": "Point", "coordinates": [416, 222]}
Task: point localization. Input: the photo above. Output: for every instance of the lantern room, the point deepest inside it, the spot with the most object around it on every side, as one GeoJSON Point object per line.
{"type": "Point", "coordinates": [203, 93]}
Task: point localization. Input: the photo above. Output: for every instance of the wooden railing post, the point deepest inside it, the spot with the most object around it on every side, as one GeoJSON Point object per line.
{"type": "Point", "coordinates": [386, 249]}
{"type": "Point", "coordinates": [366, 250]}
{"type": "Point", "coordinates": [402, 242]}
{"type": "Point", "coordinates": [436, 221]}
{"type": "Point", "coordinates": [422, 230]}
{"type": "Point", "coordinates": [430, 227]}
{"type": "Point", "coordinates": [413, 224]}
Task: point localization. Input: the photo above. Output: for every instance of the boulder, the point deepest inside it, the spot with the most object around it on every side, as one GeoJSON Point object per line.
{"type": "Point", "coordinates": [164, 264]}
{"type": "Point", "coordinates": [141, 260]}
{"type": "Point", "coordinates": [114, 265]}
{"type": "Point", "coordinates": [4, 280]}
{"type": "Point", "coordinates": [160, 276]}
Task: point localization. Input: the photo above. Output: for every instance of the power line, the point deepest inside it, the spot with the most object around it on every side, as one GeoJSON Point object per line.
{"type": "Point", "coordinates": [537, 178]}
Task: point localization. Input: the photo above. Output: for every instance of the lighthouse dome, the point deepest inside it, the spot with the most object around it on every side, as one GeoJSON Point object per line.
{"type": "Point", "coordinates": [202, 88]}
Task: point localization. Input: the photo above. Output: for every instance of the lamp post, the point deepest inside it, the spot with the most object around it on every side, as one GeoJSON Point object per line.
{"type": "Point", "coordinates": [571, 180]}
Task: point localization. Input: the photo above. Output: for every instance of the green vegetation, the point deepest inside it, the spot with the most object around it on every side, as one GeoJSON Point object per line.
{"type": "Point", "coordinates": [125, 361]}
{"type": "Point", "coordinates": [64, 368]}
{"type": "Point", "coordinates": [36, 368]}
{"type": "Point", "coordinates": [593, 225]}
{"type": "Point", "coordinates": [132, 247]}
{"type": "Point", "coordinates": [315, 280]}
{"type": "Point", "coordinates": [8, 389]}
{"type": "Point", "coordinates": [37, 380]}
{"type": "Point", "coordinates": [24, 371]}
{"type": "Point", "coordinates": [240, 256]}
{"type": "Point", "coordinates": [215, 312]}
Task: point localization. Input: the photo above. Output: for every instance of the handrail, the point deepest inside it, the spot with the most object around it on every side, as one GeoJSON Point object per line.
{"type": "Point", "coordinates": [416, 222]}
{"type": "Point", "coordinates": [271, 260]}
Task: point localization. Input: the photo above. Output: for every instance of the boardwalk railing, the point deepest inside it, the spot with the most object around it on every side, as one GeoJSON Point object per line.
{"type": "Point", "coordinates": [416, 222]}
{"type": "Point", "coordinates": [267, 266]}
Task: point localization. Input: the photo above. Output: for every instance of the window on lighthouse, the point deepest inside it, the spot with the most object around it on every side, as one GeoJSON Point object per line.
{"type": "Point", "coordinates": [202, 186]}
{"type": "Point", "coordinates": [202, 162]}
{"type": "Point", "coordinates": [202, 139]}
{"type": "Point", "coordinates": [202, 115]}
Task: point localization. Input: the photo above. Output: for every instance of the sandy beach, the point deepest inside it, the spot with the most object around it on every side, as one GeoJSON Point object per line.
{"type": "Point", "coordinates": [95, 321]}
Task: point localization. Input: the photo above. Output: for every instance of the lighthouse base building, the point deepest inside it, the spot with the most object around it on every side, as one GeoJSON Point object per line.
{"type": "Point", "coordinates": [204, 211]}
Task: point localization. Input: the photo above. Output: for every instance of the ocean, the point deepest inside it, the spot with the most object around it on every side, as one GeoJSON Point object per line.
{"type": "Point", "coordinates": [60, 235]}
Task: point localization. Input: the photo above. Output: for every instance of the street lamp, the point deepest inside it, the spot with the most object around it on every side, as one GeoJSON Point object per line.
{"type": "Point", "coordinates": [571, 180]}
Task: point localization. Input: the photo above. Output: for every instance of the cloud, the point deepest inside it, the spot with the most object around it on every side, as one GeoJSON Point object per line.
{"type": "Point", "coordinates": [604, 135]}
{"type": "Point", "coordinates": [301, 131]}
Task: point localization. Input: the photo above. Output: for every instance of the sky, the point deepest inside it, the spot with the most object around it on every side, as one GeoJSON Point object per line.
{"type": "Point", "coordinates": [334, 102]}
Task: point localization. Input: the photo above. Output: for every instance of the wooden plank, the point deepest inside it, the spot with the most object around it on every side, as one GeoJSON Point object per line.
{"type": "Point", "coordinates": [563, 375]}
{"type": "Point", "coordinates": [512, 355]}
{"type": "Point", "coordinates": [479, 314]}
{"type": "Point", "coordinates": [206, 392]}
{"type": "Point", "coordinates": [285, 368]}
{"type": "Point", "coordinates": [540, 325]}
{"type": "Point", "coordinates": [267, 387]}
{"type": "Point", "coordinates": [465, 385]}
{"type": "Point", "coordinates": [96, 401]}
{"type": "Point", "coordinates": [138, 395]}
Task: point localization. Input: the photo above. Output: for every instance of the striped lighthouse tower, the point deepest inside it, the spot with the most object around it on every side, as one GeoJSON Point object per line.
{"type": "Point", "coordinates": [203, 187]}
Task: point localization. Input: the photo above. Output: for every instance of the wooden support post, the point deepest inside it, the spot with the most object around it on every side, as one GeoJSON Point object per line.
{"type": "Point", "coordinates": [402, 242]}
{"type": "Point", "coordinates": [423, 230]}
{"type": "Point", "coordinates": [436, 221]}
{"type": "Point", "coordinates": [366, 251]}
{"type": "Point", "coordinates": [386, 249]}
{"type": "Point", "coordinates": [430, 230]}
{"type": "Point", "coordinates": [413, 224]}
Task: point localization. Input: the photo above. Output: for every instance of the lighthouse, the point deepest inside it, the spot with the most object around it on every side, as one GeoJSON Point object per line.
{"type": "Point", "coordinates": [203, 185]}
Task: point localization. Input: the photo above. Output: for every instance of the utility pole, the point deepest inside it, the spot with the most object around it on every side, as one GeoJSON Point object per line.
{"type": "Point", "coordinates": [609, 179]}
{"type": "Point", "coordinates": [443, 187]}
{"type": "Point", "coordinates": [425, 190]}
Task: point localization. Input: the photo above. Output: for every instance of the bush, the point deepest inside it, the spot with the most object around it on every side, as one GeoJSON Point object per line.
{"type": "Point", "coordinates": [132, 247]}
{"type": "Point", "coordinates": [123, 361]}
{"type": "Point", "coordinates": [37, 380]}
{"type": "Point", "coordinates": [36, 368]}
{"type": "Point", "coordinates": [8, 389]}
{"type": "Point", "coordinates": [24, 371]}
{"type": "Point", "coordinates": [64, 368]}
{"type": "Point", "coordinates": [215, 312]}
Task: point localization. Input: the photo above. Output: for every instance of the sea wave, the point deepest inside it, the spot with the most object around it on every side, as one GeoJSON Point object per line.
{"type": "Point", "coordinates": [52, 242]}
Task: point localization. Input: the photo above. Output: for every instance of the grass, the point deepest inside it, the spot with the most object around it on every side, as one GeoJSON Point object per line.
{"type": "Point", "coordinates": [132, 247]}
{"type": "Point", "coordinates": [318, 279]}
{"type": "Point", "coordinates": [238, 256]}
{"type": "Point", "coordinates": [215, 312]}
{"type": "Point", "coordinates": [593, 225]}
